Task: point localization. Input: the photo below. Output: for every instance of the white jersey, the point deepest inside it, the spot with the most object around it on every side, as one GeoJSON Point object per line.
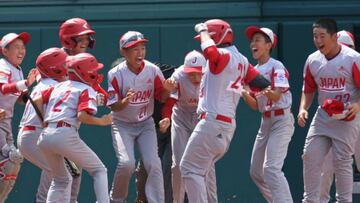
{"type": "Point", "coordinates": [187, 94]}
{"type": "Point", "coordinates": [66, 99]}
{"type": "Point", "coordinates": [220, 93]}
{"type": "Point", "coordinates": [147, 85]}
{"type": "Point", "coordinates": [338, 78]}
{"type": "Point", "coordinates": [9, 74]}
{"type": "Point", "coordinates": [275, 72]}
{"type": "Point", "coordinates": [30, 117]}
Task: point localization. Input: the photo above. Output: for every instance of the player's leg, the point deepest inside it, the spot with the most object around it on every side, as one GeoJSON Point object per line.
{"type": "Point", "coordinates": [282, 130]}
{"type": "Point", "coordinates": [50, 143]}
{"type": "Point", "coordinates": [315, 149]}
{"type": "Point", "coordinates": [27, 144]}
{"type": "Point", "coordinates": [209, 141]}
{"type": "Point", "coordinates": [8, 167]}
{"type": "Point", "coordinates": [75, 187]}
{"type": "Point", "coordinates": [343, 161]}
{"type": "Point", "coordinates": [327, 177]}
{"type": "Point", "coordinates": [147, 143]}
{"type": "Point", "coordinates": [257, 159]}
{"type": "Point", "coordinates": [179, 138]}
{"type": "Point", "coordinates": [165, 152]}
{"type": "Point", "coordinates": [357, 153]}
{"type": "Point", "coordinates": [211, 186]}
{"type": "Point", "coordinates": [123, 143]}
{"type": "Point", "coordinates": [84, 157]}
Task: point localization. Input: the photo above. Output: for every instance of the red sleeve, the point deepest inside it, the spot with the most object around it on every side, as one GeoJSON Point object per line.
{"type": "Point", "coordinates": [309, 82]}
{"type": "Point", "coordinates": [84, 101]}
{"type": "Point", "coordinates": [116, 87]}
{"type": "Point", "coordinates": [250, 74]}
{"type": "Point", "coordinates": [159, 88]}
{"type": "Point", "coordinates": [167, 108]}
{"type": "Point", "coordinates": [356, 75]}
{"type": "Point", "coordinates": [100, 90]}
{"type": "Point", "coordinates": [217, 60]}
{"type": "Point", "coordinates": [46, 94]}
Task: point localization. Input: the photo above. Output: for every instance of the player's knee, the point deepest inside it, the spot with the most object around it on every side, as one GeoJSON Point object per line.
{"type": "Point", "coordinates": [127, 166]}
{"type": "Point", "coordinates": [154, 164]}
{"type": "Point", "coordinates": [98, 171]}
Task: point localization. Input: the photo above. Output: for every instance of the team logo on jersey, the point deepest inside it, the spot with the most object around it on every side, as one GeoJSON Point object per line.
{"type": "Point", "coordinates": [112, 95]}
{"type": "Point", "coordinates": [332, 84]}
{"type": "Point", "coordinates": [341, 69]}
{"type": "Point", "coordinates": [149, 81]}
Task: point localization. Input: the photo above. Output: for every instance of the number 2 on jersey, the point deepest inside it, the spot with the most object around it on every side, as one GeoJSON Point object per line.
{"type": "Point", "coordinates": [62, 100]}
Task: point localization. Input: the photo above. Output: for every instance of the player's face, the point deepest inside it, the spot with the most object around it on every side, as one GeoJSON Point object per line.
{"type": "Point", "coordinates": [135, 55]}
{"type": "Point", "coordinates": [15, 52]}
{"type": "Point", "coordinates": [324, 41]}
{"type": "Point", "coordinates": [82, 43]}
{"type": "Point", "coordinates": [259, 47]}
{"type": "Point", "coordinates": [194, 77]}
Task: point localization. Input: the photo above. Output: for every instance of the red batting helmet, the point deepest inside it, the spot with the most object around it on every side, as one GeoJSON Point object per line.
{"type": "Point", "coordinates": [75, 27]}
{"type": "Point", "coordinates": [52, 63]}
{"type": "Point", "coordinates": [219, 30]}
{"type": "Point", "coordinates": [83, 68]}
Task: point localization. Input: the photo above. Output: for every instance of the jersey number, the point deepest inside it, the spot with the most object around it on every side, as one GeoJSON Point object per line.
{"type": "Point", "coordinates": [62, 100]}
{"type": "Point", "coordinates": [343, 97]}
{"type": "Point", "coordinates": [143, 112]}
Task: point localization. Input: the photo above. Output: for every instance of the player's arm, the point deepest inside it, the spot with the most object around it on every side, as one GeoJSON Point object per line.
{"type": "Point", "coordinates": [85, 117]}
{"type": "Point", "coordinates": [123, 102]}
{"type": "Point", "coordinates": [305, 103]}
{"type": "Point", "coordinates": [19, 86]}
{"type": "Point", "coordinates": [307, 96]}
{"type": "Point", "coordinates": [249, 98]}
{"type": "Point", "coordinates": [354, 108]}
{"type": "Point", "coordinates": [42, 99]}
{"type": "Point", "coordinates": [166, 112]}
{"type": "Point", "coordinates": [217, 60]}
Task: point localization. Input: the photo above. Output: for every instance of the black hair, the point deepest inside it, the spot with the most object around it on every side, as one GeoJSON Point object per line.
{"type": "Point", "coordinates": [328, 24]}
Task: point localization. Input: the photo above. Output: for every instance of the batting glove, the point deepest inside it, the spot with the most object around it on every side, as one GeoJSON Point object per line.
{"type": "Point", "coordinates": [200, 27]}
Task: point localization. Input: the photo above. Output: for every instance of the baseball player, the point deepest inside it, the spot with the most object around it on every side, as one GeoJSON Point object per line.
{"type": "Point", "coordinates": [133, 85]}
{"type": "Point", "coordinates": [12, 86]}
{"type": "Point", "coordinates": [277, 124]}
{"type": "Point", "coordinates": [69, 104]}
{"type": "Point", "coordinates": [51, 66]}
{"type": "Point", "coordinates": [220, 90]}
{"type": "Point", "coordinates": [76, 36]}
{"type": "Point", "coordinates": [345, 38]}
{"type": "Point", "coordinates": [333, 71]}
{"type": "Point", "coordinates": [180, 111]}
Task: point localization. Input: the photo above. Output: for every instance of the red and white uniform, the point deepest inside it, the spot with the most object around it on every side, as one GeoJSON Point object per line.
{"type": "Point", "coordinates": [337, 78]}
{"type": "Point", "coordinates": [64, 105]}
{"type": "Point", "coordinates": [147, 84]}
{"type": "Point", "coordinates": [9, 92]}
{"type": "Point", "coordinates": [61, 139]}
{"type": "Point", "coordinates": [10, 78]}
{"type": "Point", "coordinates": [272, 141]}
{"type": "Point", "coordinates": [226, 70]}
{"type": "Point", "coordinates": [274, 71]}
{"type": "Point", "coordinates": [134, 124]}
{"type": "Point", "coordinates": [182, 106]}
